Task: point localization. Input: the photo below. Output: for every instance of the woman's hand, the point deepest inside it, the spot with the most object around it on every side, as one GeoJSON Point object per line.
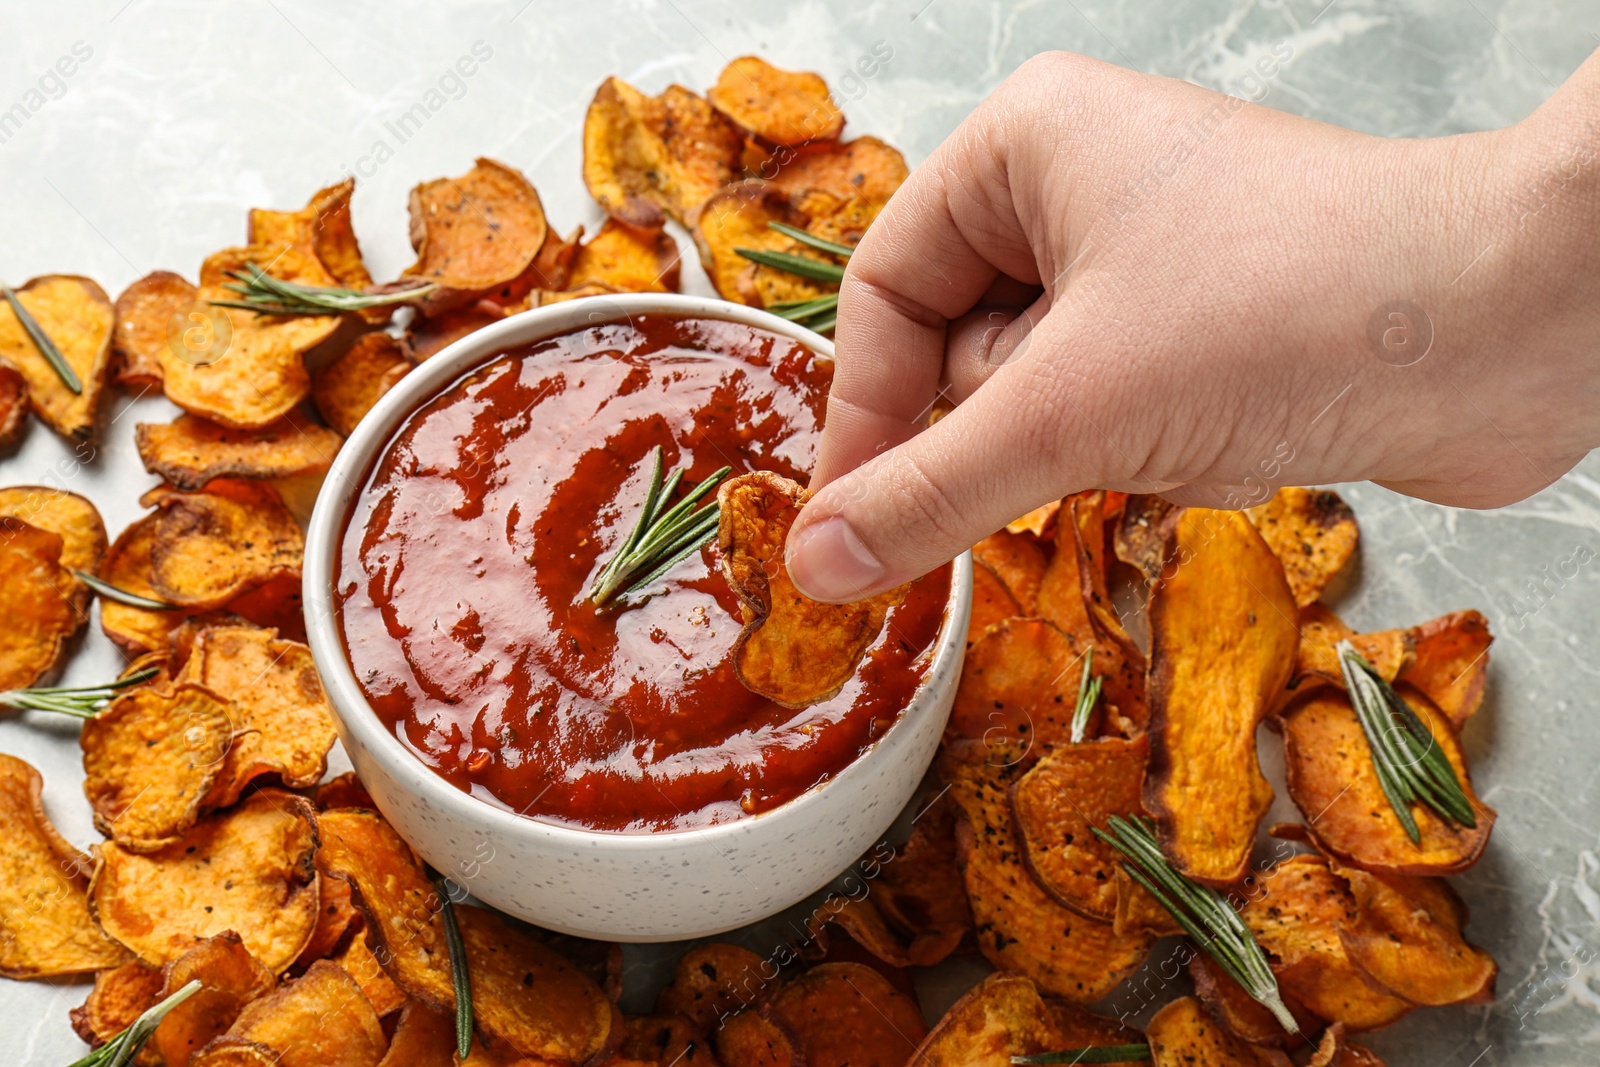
{"type": "Point", "coordinates": [1128, 282]}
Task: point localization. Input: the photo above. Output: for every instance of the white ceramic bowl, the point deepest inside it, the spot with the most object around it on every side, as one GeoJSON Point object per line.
{"type": "Point", "coordinates": [625, 887]}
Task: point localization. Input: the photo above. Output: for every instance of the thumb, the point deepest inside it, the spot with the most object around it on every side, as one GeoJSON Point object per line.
{"type": "Point", "coordinates": [1002, 452]}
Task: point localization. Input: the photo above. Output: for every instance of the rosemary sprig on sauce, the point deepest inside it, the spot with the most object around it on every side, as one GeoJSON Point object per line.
{"type": "Point", "coordinates": [108, 591]}
{"type": "Point", "coordinates": [120, 1050]}
{"type": "Point", "coordinates": [1411, 767]}
{"type": "Point", "coordinates": [1088, 696]}
{"type": "Point", "coordinates": [458, 968]}
{"type": "Point", "coordinates": [81, 702]}
{"type": "Point", "coordinates": [1093, 1054]}
{"type": "Point", "coordinates": [266, 295]}
{"type": "Point", "coordinates": [818, 313]}
{"type": "Point", "coordinates": [660, 539]}
{"type": "Point", "coordinates": [1205, 916]}
{"type": "Point", "coordinates": [41, 340]}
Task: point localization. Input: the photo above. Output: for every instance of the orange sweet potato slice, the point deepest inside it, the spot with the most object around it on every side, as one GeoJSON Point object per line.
{"type": "Point", "coordinates": [921, 893]}
{"type": "Point", "coordinates": [427, 337]}
{"type": "Point", "coordinates": [238, 368]}
{"type": "Point", "coordinates": [1316, 658]}
{"type": "Point", "coordinates": [336, 916]}
{"type": "Point", "coordinates": [229, 979]}
{"type": "Point", "coordinates": [36, 599]}
{"type": "Point", "coordinates": [234, 1052]}
{"type": "Point", "coordinates": [1020, 562]}
{"type": "Point", "coordinates": [1406, 936]}
{"type": "Point", "coordinates": [322, 228]}
{"type": "Point", "coordinates": [346, 389]}
{"type": "Point", "coordinates": [992, 602]}
{"type": "Point", "coordinates": [1313, 533]}
{"type": "Point", "coordinates": [71, 517]}
{"type": "Point", "coordinates": [149, 759]}
{"type": "Point", "coordinates": [1335, 1050]}
{"type": "Point", "coordinates": [13, 404]}
{"type": "Point", "coordinates": [1019, 685]}
{"type": "Point", "coordinates": [475, 233]}
{"type": "Point", "coordinates": [866, 168]}
{"type": "Point", "coordinates": [1040, 522]}
{"type": "Point", "coordinates": [1017, 925]}
{"type": "Point", "coordinates": [208, 547]}
{"type": "Point", "coordinates": [1072, 789]}
{"type": "Point", "coordinates": [645, 155]}
{"type": "Point", "coordinates": [248, 869]}
{"type": "Point", "coordinates": [1242, 1015]}
{"type": "Point", "coordinates": [1295, 912]}
{"type": "Point", "coordinates": [780, 107]}
{"type": "Point", "coordinates": [866, 925]}
{"type": "Point", "coordinates": [1001, 1017]}
{"type": "Point", "coordinates": [663, 1039]}
{"type": "Point", "coordinates": [750, 1039]}
{"type": "Point", "coordinates": [848, 1015]}
{"type": "Point", "coordinates": [737, 216]}
{"type": "Point", "coordinates": [148, 312]}
{"type": "Point", "coordinates": [1183, 1034]}
{"type": "Point", "coordinates": [423, 1038]}
{"type": "Point", "coordinates": [713, 981]}
{"type": "Point", "coordinates": [120, 995]}
{"type": "Point", "coordinates": [793, 650]}
{"type": "Point", "coordinates": [1092, 617]}
{"type": "Point", "coordinates": [1223, 637]}
{"type": "Point", "coordinates": [189, 451]}
{"type": "Point", "coordinates": [45, 925]}
{"type": "Point", "coordinates": [77, 316]}
{"type": "Point", "coordinates": [356, 957]}
{"type": "Point", "coordinates": [321, 1019]}
{"type": "Point", "coordinates": [1331, 778]}
{"type": "Point", "coordinates": [343, 791]}
{"type": "Point", "coordinates": [627, 259]}
{"type": "Point", "coordinates": [1451, 664]}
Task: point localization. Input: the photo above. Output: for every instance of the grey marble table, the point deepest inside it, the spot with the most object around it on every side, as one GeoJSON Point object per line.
{"type": "Point", "coordinates": [180, 114]}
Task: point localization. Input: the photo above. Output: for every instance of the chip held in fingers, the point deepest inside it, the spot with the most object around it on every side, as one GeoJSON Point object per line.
{"type": "Point", "coordinates": [793, 650]}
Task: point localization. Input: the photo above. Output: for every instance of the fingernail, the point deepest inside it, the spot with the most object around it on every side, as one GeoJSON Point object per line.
{"type": "Point", "coordinates": [829, 562]}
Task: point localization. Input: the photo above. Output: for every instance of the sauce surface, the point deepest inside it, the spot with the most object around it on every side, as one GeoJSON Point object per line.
{"type": "Point", "coordinates": [467, 556]}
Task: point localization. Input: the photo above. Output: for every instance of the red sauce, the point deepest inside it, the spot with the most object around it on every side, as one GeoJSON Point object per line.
{"type": "Point", "coordinates": [467, 556]}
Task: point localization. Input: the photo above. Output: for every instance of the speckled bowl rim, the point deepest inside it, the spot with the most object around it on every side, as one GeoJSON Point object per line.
{"type": "Point", "coordinates": [349, 471]}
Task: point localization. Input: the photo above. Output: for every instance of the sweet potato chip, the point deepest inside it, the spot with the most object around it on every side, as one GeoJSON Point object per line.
{"type": "Point", "coordinates": [1313, 533]}
{"type": "Point", "coordinates": [247, 869]}
{"type": "Point", "coordinates": [662, 1040]}
{"type": "Point", "coordinates": [346, 389]}
{"type": "Point", "coordinates": [428, 336]}
{"type": "Point", "coordinates": [343, 791]}
{"type": "Point", "coordinates": [36, 600]}
{"type": "Point", "coordinates": [711, 981]}
{"type": "Point", "coordinates": [120, 995]}
{"type": "Point", "coordinates": [1317, 658]}
{"type": "Point", "coordinates": [628, 259]}
{"type": "Point", "coordinates": [76, 314]}
{"type": "Point", "coordinates": [475, 233]}
{"type": "Point", "coordinates": [72, 517]}
{"type": "Point", "coordinates": [229, 979]}
{"type": "Point", "coordinates": [750, 1039]}
{"type": "Point", "coordinates": [1335, 1051]}
{"type": "Point", "coordinates": [737, 216]}
{"type": "Point", "coordinates": [359, 962]}
{"type": "Point", "coordinates": [1242, 1015]}
{"type": "Point", "coordinates": [992, 602]}
{"type": "Point", "coordinates": [236, 367]}
{"type": "Point", "coordinates": [1073, 1027]}
{"type": "Point", "coordinates": [280, 712]}
{"type": "Point", "coordinates": [1295, 912]}
{"type": "Point", "coordinates": [234, 1052]}
{"type": "Point", "coordinates": [13, 404]}
{"type": "Point", "coordinates": [645, 154]}
{"type": "Point", "coordinates": [1182, 1034]}
{"type": "Point", "coordinates": [780, 107]}
{"type": "Point", "coordinates": [1451, 664]}
{"type": "Point", "coordinates": [127, 566]}
{"type": "Point", "coordinates": [1136, 909]}
{"type": "Point", "coordinates": [45, 926]}
{"type": "Point", "coordinates": [1019, 561]}
{"type": "Point", "coordinates": [866, 926]}
{"type": "Point", "coordinates": [848, 1015]}
{"type": "Point", "coordinates": [336, 915]}
{"type": "Point", "coordinates": [1406, 936]}
{"type": "Point", "coordinates": [1019, 686]}
{"type": "Point", "coordinates": [189, 451]}
{"type": "Point", "coordinates": [793, 650]}
{"type": "Point", "coordinates": [1040, 522]}
{"type": "Point", "coordinates": [146, 314]}
{"type": "Point", "coordinates": [1119, 660]}
{"type": "Point", "coordinates": [1001, 1017]}
{"type": "Point", "coordinates": [1059, 589]}
{"type": "Point", "coordinates": [320, 1019]}
{"type": "Point", "coordinates": [1223, 636]}
{"type": "Point", "coordinates": [322, 228]}
{"type": "Point", "coordinates": [920, 892]}
{"type": "Point", "coordinates": [423, 1038]}
{"type": "Point", "coordinates": [210, 546]}
{"type": "Point", "coordinates": [1018, 926]}
{"type": "Point", "coordinates": [148, 760]}
{"type": "Point", "coordinates": [1055, 805]}
{"type": "Point", "coordinates": [1331, 778]}
{"type": "Point", "coordinates": [866, 168]}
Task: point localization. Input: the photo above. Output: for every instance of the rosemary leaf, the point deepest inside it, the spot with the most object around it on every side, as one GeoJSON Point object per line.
{"type": "Point", "coordinates": [821, 245]}
{"type": "Point", "coordinates": [121, 596]}
{"type": "Point", "coordinates": [801, 266]}
{"type": "Point", "coordinates": [81, 702]}
{"type": "Point", "coordinates": [120, 1050]}
{"type": "Point", "coordinates": [41, 340]}
{"type": "Point", "coordinates": [266, 295]}
{"type": "Point", "coordinates": [458, 968]}
{"type": "Point", "coordinates": [660, 539]}
{"type": "Point", "coordinates": [1203, 913]}
{"type": "Point", "coordinates": [1092, 1054]}
{"type": "Point", "coordinates": [1088, 696]}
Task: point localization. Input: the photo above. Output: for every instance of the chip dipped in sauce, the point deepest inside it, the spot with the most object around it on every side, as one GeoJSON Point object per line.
{"type": "Point", "coordinates": [468, 556]}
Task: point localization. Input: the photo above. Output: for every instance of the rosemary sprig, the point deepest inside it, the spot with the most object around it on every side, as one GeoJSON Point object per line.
{"type": "Point", "coordinates": [120, 1050]}
{"type": "Point", "coordinates": [107, 591]}
{"type": "Point", "coordinates": [82, 702]}
{"type": "Point", "coordinates": [1411, 767]}
{"type": "Point", "coordinates": [458, 968]}
{"type": "Point", "coordinates": [818, 313]}
{"type": "Point", "coordinates": [41, 340]}
{"type": "Point", "coordinates": [1092, 1054]}
{"type": "Point", "coordinates": [266, 295]}
{"type": "Point", "coordinates": [661, 538]}
{"type": "Point", "coordinates": [1088, 696]}
{"type": "Point", "coordinates": [1202, 912]}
